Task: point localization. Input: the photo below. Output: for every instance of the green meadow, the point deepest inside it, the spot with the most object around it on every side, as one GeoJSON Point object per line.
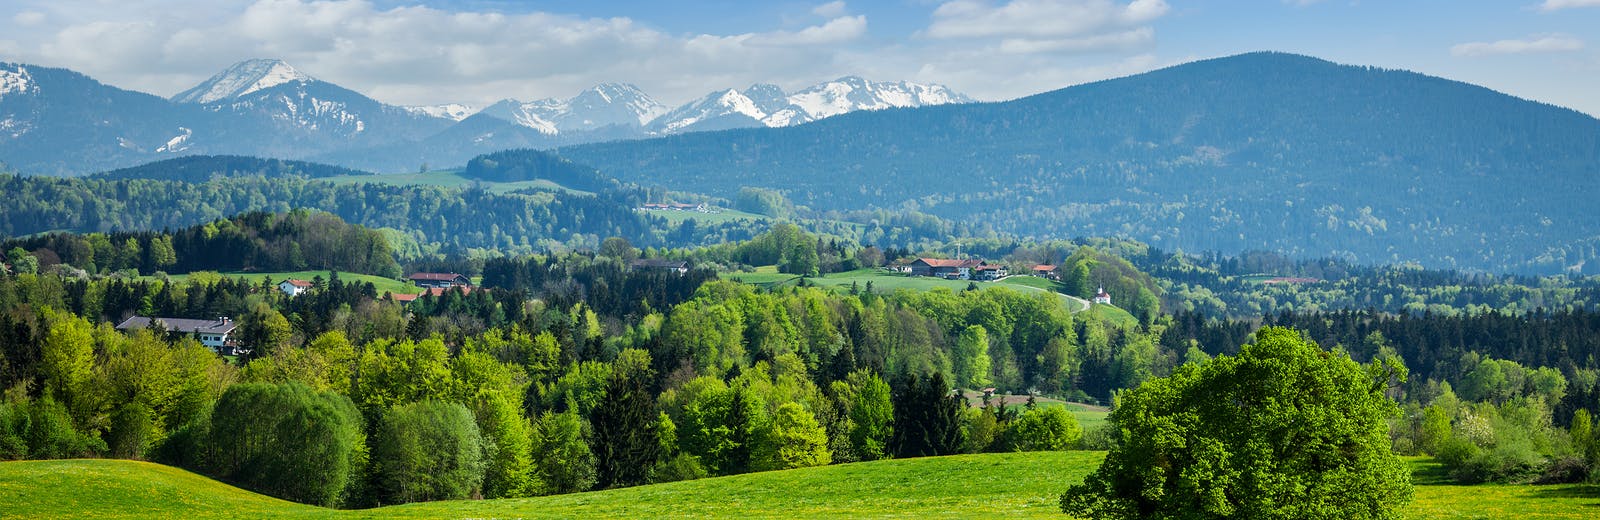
{"type": "Point", "coordinates": [1008, 485]}
{"type": "Point", "coordinates": [382, 284]}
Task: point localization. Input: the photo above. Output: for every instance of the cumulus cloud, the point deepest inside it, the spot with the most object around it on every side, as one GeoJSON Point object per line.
{"type": "Point", "coordinates": [419, 54]}
{"type": "Point", "coordinates": [1027, 26]}
{"type": "Point", "coordinates": [830, 10]}
{"type": "Point", "coordinates": [1536, 44]}
{"type": "Point", "coordinates": [1556, 5]}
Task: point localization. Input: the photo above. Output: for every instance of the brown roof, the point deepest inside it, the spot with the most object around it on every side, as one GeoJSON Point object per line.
{"type": "Point", "coordinates": [404, 298]}
{"type": "Point", "coordinates": [298, 283]}
{"type": "Point", "coordinates": [441, 277]}
{"type": "Point", "coordinates": [950, 262]}
{"type": "Point", "coordinates": [1044, 267]}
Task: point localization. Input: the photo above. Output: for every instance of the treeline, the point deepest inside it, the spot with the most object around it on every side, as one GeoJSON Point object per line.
{"type": "Point", "coordinates": [257, 241]}
{"type": "Point", "coordinates": [1495, 396]}
{"type": "Point", "coordinates": [202, 168]}
{"type": "Point", "coordinates": [433, 218]}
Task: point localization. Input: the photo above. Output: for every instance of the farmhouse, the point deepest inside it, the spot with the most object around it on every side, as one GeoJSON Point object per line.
{"type": "Point", "coordinates": [294, 287]}
{"type": "Point", "coordinates": [989, 272]}
{"type": "Point", "coordinates": [661, 264]}
{"type": "Point", "coordinates": [429, 280]}
{"type": "Point", "coordinates": [216, 333]}
{"type": "Point", "coordinates": [676, 207]}
{"type": "Point", "coordinates": [1046, 271]}
{"type": "Point", "coordinates": [951, 269]}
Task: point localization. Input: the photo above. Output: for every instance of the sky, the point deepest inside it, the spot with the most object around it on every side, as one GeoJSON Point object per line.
{"type": "Point", "coordinates": [480, 51]}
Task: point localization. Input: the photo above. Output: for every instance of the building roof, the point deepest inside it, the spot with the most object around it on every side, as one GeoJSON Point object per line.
{"type": "Point", "coordinates": [404, 298]}
{"type": "Point", "coordinates": [1044, 267]}
{"type": "Point", "coordinates": [659, 263]}
{"type": "Point", "coordinates": [436, 277]}
{"type": "Point", "coordinates": [214, 326]}
{"type": "Point", "coordinates": [950, 262]}
{"type": "Point", "coordinates": [297, 283]}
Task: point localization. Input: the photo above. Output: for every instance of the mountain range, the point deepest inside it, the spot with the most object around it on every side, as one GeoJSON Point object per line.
{"type": "Point", "coordinates": [1261, 151]}
{"type": "Point", "coordinates": [55, 121]}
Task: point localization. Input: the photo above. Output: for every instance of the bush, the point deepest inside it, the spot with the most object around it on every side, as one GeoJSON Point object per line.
{"type": "Point", "coordinates": [52, 436]}
{"type": "Point", "coordinates": [1045, 429]}
{"type": "Point", "coordinates": [428, 451]}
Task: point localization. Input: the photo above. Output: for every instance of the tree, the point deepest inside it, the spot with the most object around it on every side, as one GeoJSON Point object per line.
{"type": "Point", "coordinates": [287, 441]}
{"type": "Point", "coordinates": [626, 444]}
{"type": "Point", "coordinates": [1283, 430]}
{"type": "Point", "coordinates": [1045, 429]}
{"type": "Point", "coordinates": [927, 418]}
{"type": "Point", "coordinates": [618, 248]}
{"type": "Point", "coordinates": [428, 451]}
{"type": "Point", "coordinates": [794, 440]}
{"type": "Point", "coordinates": [22, 262]}
{"type": "Point", "coordinates": [564, 462]}
{"type": "Point", "coordinates": [873, 415]}
{"type": "Point", "coordinates": [969, 358]}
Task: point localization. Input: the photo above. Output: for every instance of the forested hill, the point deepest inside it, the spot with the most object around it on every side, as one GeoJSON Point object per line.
{"type": "Point", "coordinates": [201, 168]}
{"type": "Point", "coordinates": [1258, 151]}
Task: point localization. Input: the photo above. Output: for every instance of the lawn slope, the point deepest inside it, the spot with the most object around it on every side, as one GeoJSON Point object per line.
{"type": "Point", "coordinates": [1010, 485]}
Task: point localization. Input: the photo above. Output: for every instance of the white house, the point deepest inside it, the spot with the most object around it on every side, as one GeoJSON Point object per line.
{"type": "Point", "coordinates": [211, 333]}
{"type": "Point", "coordinates": [294, 287]}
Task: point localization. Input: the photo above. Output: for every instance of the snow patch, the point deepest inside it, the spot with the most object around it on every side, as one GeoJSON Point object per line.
{"type": "Point", "coordinates": [16, 81]}
{"type": "Point", "coordinates": [451, 111]}
{"type": "Point", "coordinates": [179, 143]}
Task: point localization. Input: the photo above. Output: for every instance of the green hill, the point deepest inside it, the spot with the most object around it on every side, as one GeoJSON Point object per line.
{"type": "Point", "coordinates": [1010, 485]}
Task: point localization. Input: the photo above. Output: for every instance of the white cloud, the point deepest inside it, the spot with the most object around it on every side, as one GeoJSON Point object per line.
{"type": "Point", "coordinates": [1049, 26]}
{"type": "Point", "coordinates": [1040, 19]}
{"type": "Point", "coordinates": [1534, 44]}
{"type": "Point", "coordinates": [417, 54]}
{"type": "Point", "coordinates": [28, 18]}
{"type": "Point", "coordinates": [831, 10]}
{"type": "Point", "coordinates": [1556, 5]}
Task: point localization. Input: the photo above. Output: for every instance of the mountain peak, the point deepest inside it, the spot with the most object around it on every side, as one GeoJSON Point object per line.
{"type": "Point", "coordinates": [243, 78]}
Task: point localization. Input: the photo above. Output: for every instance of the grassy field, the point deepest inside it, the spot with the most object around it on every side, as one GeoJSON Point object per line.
{"type": "Point", "coordinates": [382, 284]}
{"type": "Point", "coordinates": [885, 281]}
{"type": "Point", "coordinates": [446, 179]}
{"type": "Point", "coordinates": [1009, 485]}
{"type": "Point", "coordinates": [721, 215]}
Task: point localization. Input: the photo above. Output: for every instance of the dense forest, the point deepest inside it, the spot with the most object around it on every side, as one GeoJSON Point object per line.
{"type": "Point", "coordinates": [257, 241]}
{"type": "Point", "coordinates": [201, 168]}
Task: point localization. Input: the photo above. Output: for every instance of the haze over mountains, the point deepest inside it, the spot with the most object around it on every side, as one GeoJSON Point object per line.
{"type": "Point", "coordinates": [1258, 151]}
{"type": "Point", "coordinates": [50, 117]}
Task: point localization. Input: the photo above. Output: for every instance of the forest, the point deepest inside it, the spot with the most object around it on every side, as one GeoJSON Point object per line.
{"type": "Point", "coordinates": [571, 371]}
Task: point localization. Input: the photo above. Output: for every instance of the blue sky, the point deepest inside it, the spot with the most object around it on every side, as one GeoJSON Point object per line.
{"type": "Point", "coordinates": [479, 51]}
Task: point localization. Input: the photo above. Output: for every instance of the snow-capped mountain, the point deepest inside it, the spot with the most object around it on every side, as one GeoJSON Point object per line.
{"type": "Point", "coordinates": [606, 105]}
{"type": "Point", "coordinates": [451, 111]}
{"type": "Point", "coordinates": [57, 121]}
{"type": "Point", "coordinates": [243, 78]}
{"type": "Point", "coordinates": [291, 114]}
{"type": "Point", "coordinates": [623, 106]}
{"type": "Point", "coordinates": [768, 105]}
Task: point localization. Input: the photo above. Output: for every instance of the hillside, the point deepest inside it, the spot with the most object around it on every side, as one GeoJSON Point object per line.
{"type": "Point", "coordinates": [1011, 485]}
{"type": "Point", "coordinates": [1258, 151]}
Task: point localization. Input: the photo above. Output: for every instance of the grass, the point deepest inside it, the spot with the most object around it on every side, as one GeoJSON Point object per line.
{"type": "Point", "coordinates": [722, 215]}
{"type": "Point", "coordinates": [382, 284]}
{"type": "Point", "coordinates": [885, 282]}
{"type": "Point", "coordinates": [447, 179]}
{"type": "Point", "coordinates": [1006, 485]}
{"type": "Point", "coordinates": [1115, 315]}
